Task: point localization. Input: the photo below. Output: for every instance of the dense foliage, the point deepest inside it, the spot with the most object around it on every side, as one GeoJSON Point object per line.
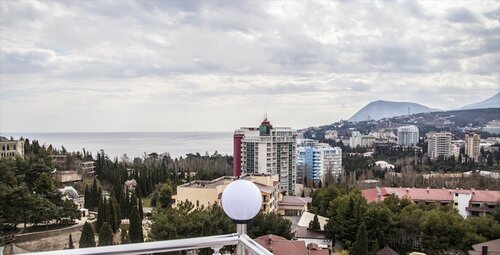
{"type": "Point", "coordinates": [105, 235]}
{"type": "Point", "coordinates": [270, 223]}
{"type": "Point", "coordinates": [28, 193]}
{"type": "Point", "coordinates": [187, 221]}
{"type": "Point", "coordinates": [400, 223]}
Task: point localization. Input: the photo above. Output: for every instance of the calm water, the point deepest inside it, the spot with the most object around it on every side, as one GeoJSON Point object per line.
{"type": "Point", "coordinates": [136, 143]}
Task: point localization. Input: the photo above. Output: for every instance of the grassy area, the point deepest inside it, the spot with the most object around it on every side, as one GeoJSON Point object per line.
{"type": "Point", "coordinates": [146, 202]}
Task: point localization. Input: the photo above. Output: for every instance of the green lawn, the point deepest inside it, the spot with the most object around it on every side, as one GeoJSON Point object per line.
{"type": "Point", "coordinates": [146, 202]}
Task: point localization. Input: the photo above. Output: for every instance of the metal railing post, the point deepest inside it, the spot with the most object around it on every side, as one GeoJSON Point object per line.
{"type": "Point", "coordinates": [241, 230]}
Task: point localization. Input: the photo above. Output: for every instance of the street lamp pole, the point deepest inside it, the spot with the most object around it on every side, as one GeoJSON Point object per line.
{"type": "Point", "coordinates": [241, 229]}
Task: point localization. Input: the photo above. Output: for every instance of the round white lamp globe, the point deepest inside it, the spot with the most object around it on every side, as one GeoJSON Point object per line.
{"type": "Point", "coordinates": [241, 201]}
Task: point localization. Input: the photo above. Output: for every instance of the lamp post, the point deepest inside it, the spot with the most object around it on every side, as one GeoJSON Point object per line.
{"type": "Point", "coordinates": [241, 201]}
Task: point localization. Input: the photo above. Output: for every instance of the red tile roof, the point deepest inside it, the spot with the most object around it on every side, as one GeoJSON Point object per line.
{"type": "Point", "coordinates": [304, 232]}
{"type": "Point", "coordinates": [422, 194]}
{"type": "Point", "coordinates": [281, 246]}
{"type": "Point", "coordinates": [293, 200]}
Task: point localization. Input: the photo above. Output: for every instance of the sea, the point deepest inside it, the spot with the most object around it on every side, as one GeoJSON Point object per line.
{"type": "Point", "coordinates": [136, 144]}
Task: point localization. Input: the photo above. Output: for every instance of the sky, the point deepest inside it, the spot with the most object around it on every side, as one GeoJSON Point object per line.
{"type": "Point", "coordinates": [105, 66]}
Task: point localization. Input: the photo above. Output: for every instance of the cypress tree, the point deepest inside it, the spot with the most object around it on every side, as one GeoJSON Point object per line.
{"type": "Point", "coordinates": [112, 214]}
{"type": "Point", "coordinates": [135, 230]}
{"type": "Point", "coordinates": [133, 201]}
{"type": "Point", "coordinates": [118, 215]}
{"type": "Point", "coordinates": [101, 214]}
{"type": "Point", "coordinates": [314, 224]}
{"type": "Point", "coordinates": [127, 208]}
{"type": "Point", "coordinates": [360, 247]}
{"type": "Point", "coordinates": [87, 198]}
{"type": "Point", "coordinates": [141, 212]}
{"type": "Point", "coordinates": [87, 239]}
{"type": "Point", "coordinates": [95, 194]}
{"type": "Point", "coordinates": [105, 235]}
{"type": "Point", "coordinates": [70, 242]}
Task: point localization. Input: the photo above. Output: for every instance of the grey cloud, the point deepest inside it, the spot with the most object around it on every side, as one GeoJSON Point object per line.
{"type": "Point", "coordinates": [19, 60]}
{"type": "Point", "coordinates": [493, 14]}
{"type": "Point", "coordinates": [204, 51]}
{"type": "Point", "coordinates": [461, 15]}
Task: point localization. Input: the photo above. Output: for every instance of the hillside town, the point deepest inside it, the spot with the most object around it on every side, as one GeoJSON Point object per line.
{"type": "Point", "coordinates": [294, 170]}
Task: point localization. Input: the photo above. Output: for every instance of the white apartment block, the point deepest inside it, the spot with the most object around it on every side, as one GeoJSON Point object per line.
{"type": "Point", "coordinates": [408, 135]}
{"type": "Point", "coordinates": [267, 150]}
{"type": "Point", "coordinates": [439, 144]}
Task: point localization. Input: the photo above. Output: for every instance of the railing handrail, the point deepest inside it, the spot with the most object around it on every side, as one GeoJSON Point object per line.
{"type": "Point", "coordinates": [253, 246]}
{"type": "Point", "coordinates": [155, 247]}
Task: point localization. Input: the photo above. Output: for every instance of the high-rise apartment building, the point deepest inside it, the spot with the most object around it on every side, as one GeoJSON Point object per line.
{"type": "Point", "coordinates": [408, 135]}
{"type": "Point", "coordinates": [472, 140]}
{"type": "Point", "coordinates": [267, 150]}
{"type": "Point", "coordinates": [439, 144]}
{"type": "Point", "coordinates": [315, 161]}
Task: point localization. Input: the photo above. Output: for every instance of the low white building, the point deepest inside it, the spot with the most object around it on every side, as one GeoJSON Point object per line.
{"type": "Point", "coordinates": [303, 233]}
{"type": "Point", "coordinates": [357, 139]}
{"type": "Point", "coordinates": [384, 165]}
{"type": "Point", "coordinates": [11, 148]}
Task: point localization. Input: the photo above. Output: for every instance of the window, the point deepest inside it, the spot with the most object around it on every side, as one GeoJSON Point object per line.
{"type": "Point", "coordinates": [197, 203]}
{"type": "Point", "coordinates": [456, 204]}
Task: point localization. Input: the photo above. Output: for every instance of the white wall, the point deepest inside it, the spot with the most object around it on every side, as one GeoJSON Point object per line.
{"type": "Point", "coordinates": [461, 202]}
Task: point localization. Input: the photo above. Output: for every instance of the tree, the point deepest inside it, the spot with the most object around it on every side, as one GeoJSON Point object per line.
{"type": "Point", "coordinates": [87, 239]}
{"type": "Point", "coordinates": [347, 214]}
{"type": "Point", "coordinates": [141, 211]}
{"type": "Point", "coordinates": [447, 225]}
{"type": "Point", "coordinates": [165, 196]}
{"type": "Point", "coordinates": [70, 243]}
{"type": "Point", "coordinates": [360, 247]}
{"type": "Point", "coordinates": [380, 225]}
{"type": "Point", "coordinates": [496, 213]}
{"type": "Point", "coordinates": [269, 223]}
{"type": "Point", "coordinates": [135, 230]}
{"type": "Point", "coordinates": [105, 235]}
{"type": "Point", "coordinates": [102, 213]}
{"type": "Point", "coordinates": [314, 224]}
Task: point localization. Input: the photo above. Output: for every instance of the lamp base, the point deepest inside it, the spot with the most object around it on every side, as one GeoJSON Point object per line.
{"type": "Point", "coordinates": [242, 221]}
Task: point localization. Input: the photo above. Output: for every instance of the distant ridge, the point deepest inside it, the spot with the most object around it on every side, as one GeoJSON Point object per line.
{"type": "Point", "coordinates": [377, 110]}
{"type": "Point", "coordinates": [492, 102]}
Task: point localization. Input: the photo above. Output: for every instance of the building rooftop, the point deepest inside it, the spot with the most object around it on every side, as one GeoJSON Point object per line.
{"type": "Point", "coordinates": [493, 247]}
{"type": "Point", "coordinates": [386, 251]}
{"type": "Point", "coordinates": [304, 232]}
{"type": "Point", "coordinates": [293, 200]}
{"type": "Point", "coordinates": [308, 217]}
{"type": "Point", "coordinates": [423, 194]}
{"type": "Point", "coordinates": [281, 246]}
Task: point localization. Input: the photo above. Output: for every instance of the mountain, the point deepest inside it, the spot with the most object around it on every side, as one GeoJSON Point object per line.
{"type": "Point", "coordinates": [492, 102]}
{"type": "Point", "coordinates": [385, 109]}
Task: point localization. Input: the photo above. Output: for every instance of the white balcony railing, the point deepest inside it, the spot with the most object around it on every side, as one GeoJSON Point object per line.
{"type": "Point", "coordinates": [245, 245]}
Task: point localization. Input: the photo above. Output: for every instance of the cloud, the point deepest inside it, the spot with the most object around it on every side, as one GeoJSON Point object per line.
{"type": "Point", "coordinates": [321, 60]}
{"type": "Point", "coordinates": [461, 15]}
